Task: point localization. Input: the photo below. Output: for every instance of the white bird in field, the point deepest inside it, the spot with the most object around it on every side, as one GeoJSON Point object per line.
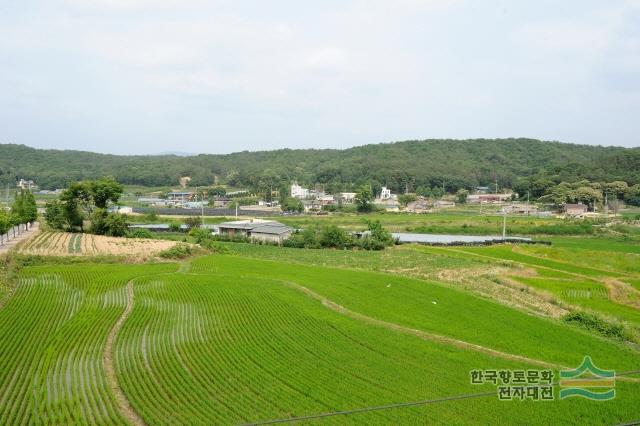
{"type": "Point", "coordinates": [434, 302]}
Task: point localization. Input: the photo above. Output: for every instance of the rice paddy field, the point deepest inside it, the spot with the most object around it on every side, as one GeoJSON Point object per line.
{"type": "Point", "coordinates": [265, 333]}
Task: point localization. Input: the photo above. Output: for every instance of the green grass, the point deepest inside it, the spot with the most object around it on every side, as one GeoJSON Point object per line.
{"type": "Point", "coordinates": [610, 244]}
{"type": "Point", "coordinates": [409, 302]}
{"type": "Point", "coordinates": [585, 294]}
{"type": "Point", "coordinates": [230, 342]}
{"type": "Point", "coordinates": [397, 259]}
{"type": "Point", "coordinates": [52, 333]}
{"type": "Point", "coordinates": [568, 277]}
{"type": "Point", "coordinates": [506, 252]}
{"type": "Point", "coordinates": [459, 221]}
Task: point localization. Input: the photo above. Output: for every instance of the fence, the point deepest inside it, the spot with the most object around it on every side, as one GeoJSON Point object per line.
{"type": "Point", "coordinates": [13, 232]}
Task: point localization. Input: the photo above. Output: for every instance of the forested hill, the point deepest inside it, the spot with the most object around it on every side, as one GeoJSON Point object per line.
{"type": "Point", "coordinates": [459, 163]}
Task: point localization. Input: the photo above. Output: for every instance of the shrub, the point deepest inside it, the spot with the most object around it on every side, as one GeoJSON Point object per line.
{"type": "Point", "coordinates": [215, 246]}
{"type": "Point", "coordinates": [193, 221]}
{"type": "Point", "coordinates": [596, 324]}
{"type": "Point", "coordinates": [140, 233]}
{"type": "Point", "coordinates": [151, 217]}
{"type": "Point", "coordinates": [200, 234]}
{"type": "Point", "coordinates": [116, 225]}
{"type": "Point", "coordinates": [334, 237]}
{"type": "Point", "coordinates": [179, 251]}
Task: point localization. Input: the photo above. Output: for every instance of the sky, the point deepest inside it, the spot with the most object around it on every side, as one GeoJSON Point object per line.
{"type": "Point", "coordinates": [220, 76]}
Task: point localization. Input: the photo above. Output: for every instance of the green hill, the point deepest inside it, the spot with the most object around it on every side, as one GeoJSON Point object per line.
{"type": "Point", "coordinates": [459, 163]}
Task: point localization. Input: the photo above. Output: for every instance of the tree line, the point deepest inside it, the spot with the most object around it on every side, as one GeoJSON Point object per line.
{"type": "Point", "coordinates": [428, 166]}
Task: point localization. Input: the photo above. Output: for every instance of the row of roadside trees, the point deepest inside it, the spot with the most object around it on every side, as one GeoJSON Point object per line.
{"type": "Point", "coordinates": [23, 211]}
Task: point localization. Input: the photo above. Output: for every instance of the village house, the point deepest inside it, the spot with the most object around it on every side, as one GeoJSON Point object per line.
{"type": "Point", "coordinates": [221, 201]}
{"type": "Point", "coordinates": [418, 206]}
{"type": "Point", "coordinates": [525, 209]}
{"type": "Point", "coordinates": [444, 204]}
{"type": "Point", "coordinates": [179, 198]}
{"type": "Point", "coordinates": [385, 193]}
{"type": "Point", "coordinates": [256, 229]}
{"type": "Point", "coordinates": [489, 198]}
{"type": "Point", "coordinates": [299, 192]}
{"type": "Point", "coordinates": [348, 197]}
{"type": "Point", "coordinates": [326, 199]}
{"type": "Point", "coordinates": [25, 184]}
{"type": "Point", "coordinates": [152, 201]}
{"type": "Point", "coordinates": [574, 210]}
{"type": "Point", "coordinates": [311, 205]}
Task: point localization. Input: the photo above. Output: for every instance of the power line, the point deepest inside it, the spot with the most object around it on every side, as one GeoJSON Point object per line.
{"type": "Point", "coordinates": [404, 405]}
{"type": "Point", "coordinates": [375, 408]}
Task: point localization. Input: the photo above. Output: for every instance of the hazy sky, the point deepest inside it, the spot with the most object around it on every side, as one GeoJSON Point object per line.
{"type": "Point", "coordinates": [147, 76]}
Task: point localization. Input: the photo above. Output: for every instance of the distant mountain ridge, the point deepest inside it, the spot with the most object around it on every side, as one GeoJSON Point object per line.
{"type": "Point", "coordinates": [457, 163]}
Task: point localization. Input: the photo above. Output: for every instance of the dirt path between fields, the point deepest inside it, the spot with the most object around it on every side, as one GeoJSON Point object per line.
{"type": "Point", "coordinates": [431, 336]}
{"type": "Point", "coordinates": [420, 333]}
{"type": "Point", "coordinates": [123, 403]}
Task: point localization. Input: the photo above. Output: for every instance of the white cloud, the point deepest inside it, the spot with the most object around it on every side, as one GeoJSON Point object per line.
{"type": "Point", "coordinates": [344, 72]}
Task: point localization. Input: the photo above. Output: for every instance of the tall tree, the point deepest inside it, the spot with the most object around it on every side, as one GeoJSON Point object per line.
{"type": "Point", "coordinates": [364, 199]}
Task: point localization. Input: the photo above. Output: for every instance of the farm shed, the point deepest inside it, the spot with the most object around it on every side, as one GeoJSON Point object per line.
{"type": "Point", "coordinates": [262, 230]}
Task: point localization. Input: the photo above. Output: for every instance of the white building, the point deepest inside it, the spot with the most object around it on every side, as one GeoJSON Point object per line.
{"type": "Point", "coordinates": [299, 192]}
{"type": "Point", "coordinates": [385, 194]}
{"type": "Point", "coordinates": [25, 184]}
{"type": "Point", "coordinates": [120, 209]}
{"type": "Point", "coordinates": [348, 197]}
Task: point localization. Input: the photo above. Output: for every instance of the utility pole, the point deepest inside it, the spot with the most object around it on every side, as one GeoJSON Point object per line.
{"type": "Point", "coordinates": [504, 223]}
{"type": "Point", "coordinates": [496, 184]}
{"type": "Point", "coordinates": [202, 209]}
{"type": "Point", "coordinates": [606, 206]}
{"type": "Point", "coordinates": [527, 203]}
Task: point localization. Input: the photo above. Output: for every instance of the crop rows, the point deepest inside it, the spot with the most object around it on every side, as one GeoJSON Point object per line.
{"type": "Point", "coordinates": [52, 333]}
{"type": "Point", "coordinates": [231, 342]}
{"type": "Point", "coordinates": [50, 243]}
{"type": "Point", "coordinates": [410, 302]}
{"type": "Point", "coordinates": [228, 347]}
{"type": "Point", "coordinates": [60, 244]}
{"type": "Point", "coordinates": [203, 350]}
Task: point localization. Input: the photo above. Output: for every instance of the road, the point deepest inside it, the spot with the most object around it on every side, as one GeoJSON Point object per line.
{"type": "Point", "coordinates": [8, 245]}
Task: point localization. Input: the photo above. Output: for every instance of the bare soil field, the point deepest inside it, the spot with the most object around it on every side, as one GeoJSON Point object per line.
{"type": "Point", "coordinates": [50, 243]}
